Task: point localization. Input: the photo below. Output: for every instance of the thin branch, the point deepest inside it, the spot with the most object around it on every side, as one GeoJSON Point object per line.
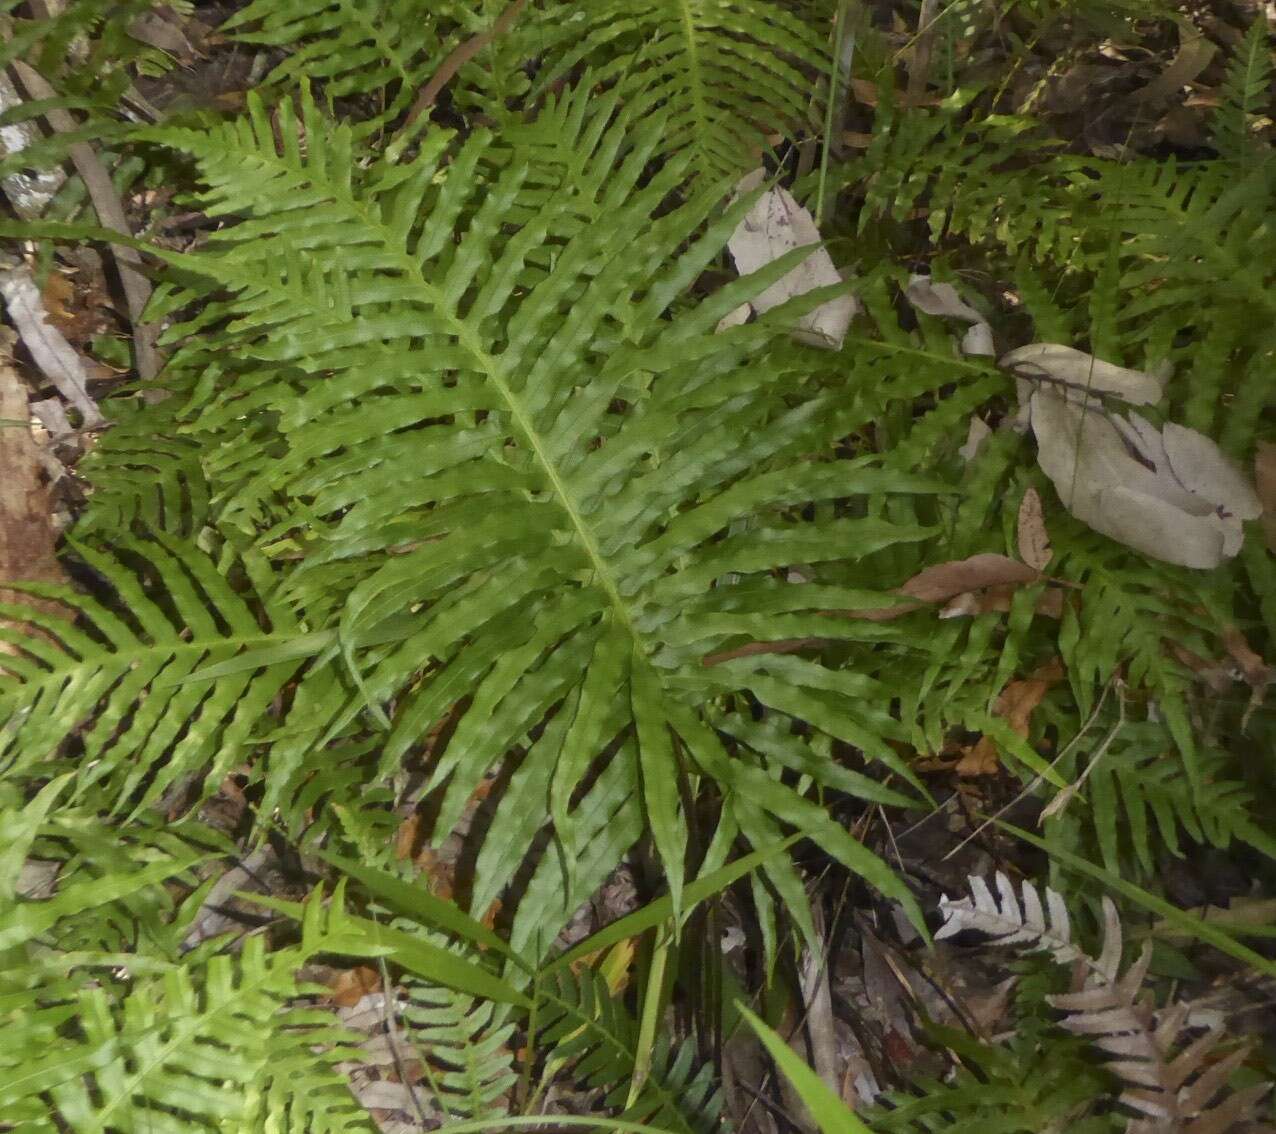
{"type": "Point", "coordinates": [110, 212]}
{"type": "Point", "coordinates": [458, 57]}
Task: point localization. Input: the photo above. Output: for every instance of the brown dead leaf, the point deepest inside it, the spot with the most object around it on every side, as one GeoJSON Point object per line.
{"type": "Point", "coordinates": [1034, 540]}
{"type": "Point", "coordinates": [1265, 483]}
{"type": "Point", "coordinates": [1015, 705]}
{"type": "Point", "coordinates": [352, 985]}
{"type": "Point", "coordinates": [866, 92]}
{"type": "Point", "coordinates": [1193, 56]}
{"type": "Point", "coordinates": [946, 580]}
{"type": "Point", "coordinates": [405, 838]}
{"type": "Point", "coordinates": [1213, 675]}
{"type": "Point", "coordinates": [1254, 669]}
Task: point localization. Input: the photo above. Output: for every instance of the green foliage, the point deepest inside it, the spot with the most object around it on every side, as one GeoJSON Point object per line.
{"type": "Point", "coordinates": [1243, 93]}
{"type": "Point", "coordinates": [122, 675]}
{"type": "Point", "coordinates": [476, 339]}
{"type": "Point", "coordinates": [588, 1034]}
{"type": "Point", "coordinates": [1016, 1088]}
{"type": "Point", "coordinates": [461, 504]}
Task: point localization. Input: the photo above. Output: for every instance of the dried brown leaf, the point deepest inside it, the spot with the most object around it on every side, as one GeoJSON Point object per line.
{"type": "Point", "coordinates": [1252, 666]}
{"type": "Point", "coordinates": [55, 357]}
{"type": "Point", "coordinates": [944, 580]}
{"type": "Point", "coordinates": [352, 985]}
{"type": "Point", "coordinates": [1033, 538]}
{"type": "Point", "coordinates": [1015, 705]}
{"type": "Point", "coordinates": [27, 537]}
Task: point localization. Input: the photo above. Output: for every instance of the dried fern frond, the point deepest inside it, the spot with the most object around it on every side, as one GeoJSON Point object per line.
{"type": "Point", "coordinates": [1032, 924]}
{"type": "Point", "coordinates": [1170, 1086]}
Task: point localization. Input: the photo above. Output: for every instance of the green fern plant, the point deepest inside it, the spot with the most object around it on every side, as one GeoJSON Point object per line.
{"type": "Point", "coordinates": [122, 676]}
{"type": "Point", "coordinates": [1245, 95]}
{"type": "Point", "coordinates": [567, 590]}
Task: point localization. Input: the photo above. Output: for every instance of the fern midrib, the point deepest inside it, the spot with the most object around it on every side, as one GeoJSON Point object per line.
{"type": "Point", "coordinates": [696, 80]}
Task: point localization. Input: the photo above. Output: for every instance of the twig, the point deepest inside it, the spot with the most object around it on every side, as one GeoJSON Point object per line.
{"type": "Point", "coordinates": [458, 57]}
{"type": "Point", "coordinates": [1065, 795]}
{"type": "Point", "coordinates": [110, 212]}
{"type": "Point", "coordinates": [1036, 780]}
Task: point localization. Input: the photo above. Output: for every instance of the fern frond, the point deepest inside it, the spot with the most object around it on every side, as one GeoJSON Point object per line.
{"type": "Point", "coordinates": [498, 437]}
{"type": "Point", "coordinates": [726, 72]}
{"type": "Point", "coordinates": [590, 1036]}
{"type": "Point", "coordinates": [228, 1049]}
{"type": "Point", "coordinates": [379, 52]}
{"type": "Point", "coordinates": [1172, 1089]}
{"type": "Point", "coordinates": [464, 1043]}
{"type": "Point", "coordinates": [122, 677]}
{"type": "Point", "coordinates": [969, 179]}
{"type": "Point", "coordinates": [1245, 93]}
{"type": "Point", "coordinates": [1002, 918]}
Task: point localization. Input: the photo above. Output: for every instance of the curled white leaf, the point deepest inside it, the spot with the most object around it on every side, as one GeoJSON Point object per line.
{"type": "Point", "coordinates": [1081, 372]}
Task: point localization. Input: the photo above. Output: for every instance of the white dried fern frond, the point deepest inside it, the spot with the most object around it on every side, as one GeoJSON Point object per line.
{"type": "Point", "coordinates": [1171, 1083]}
{"type": "Point", "coordinates": [1010, 920]}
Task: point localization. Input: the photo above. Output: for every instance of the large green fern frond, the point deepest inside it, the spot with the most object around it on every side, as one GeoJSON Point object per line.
{"type": "Point", "coordinates": [512, 438]}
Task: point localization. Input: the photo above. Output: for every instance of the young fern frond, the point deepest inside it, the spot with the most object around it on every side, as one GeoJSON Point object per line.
{"type": "Point", "coordinates": [226, 1047]}
{"type": "Point", "coordinates": [515, 442]}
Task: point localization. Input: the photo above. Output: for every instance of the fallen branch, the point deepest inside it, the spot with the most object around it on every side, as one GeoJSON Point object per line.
{"type": "Point", "coordinates": [110, 212]}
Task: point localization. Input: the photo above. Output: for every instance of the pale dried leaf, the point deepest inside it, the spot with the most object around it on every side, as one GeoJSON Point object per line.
{"type": "Point", "coordinates": [1201, 467]}
{"type": "Point", "coordinates": [1033, 539]}
{"type": "Point", "coordinates": [51, 413]}
{"type": "Point", "coordinates": [1109, 962]}
{"type": "Point", "coordinates": [1265, 483]}
{"type": "Point", "coordinates": [775, 225]}
{"type": "Point", "coordinates": [943, 300]}
{"type": "Point", "coordinates": [55, 357]}
{"type": "Point", "coordinates": [944, 580]}
{"type": "Point", "coordinates": [736, 317]}
{"type": "Point", "coordinates": [1003, 920]}
{"type": "Point", "coordinates": [1088, 459]}
{"type": "Point", "coordinates": [29, 192]}
{"type": "Point", "coordinates": [1054, 362]}
{"type": "Point", "coordinates": [978, 341]}
{"type": "Point", "coordinates": [978, 432]}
